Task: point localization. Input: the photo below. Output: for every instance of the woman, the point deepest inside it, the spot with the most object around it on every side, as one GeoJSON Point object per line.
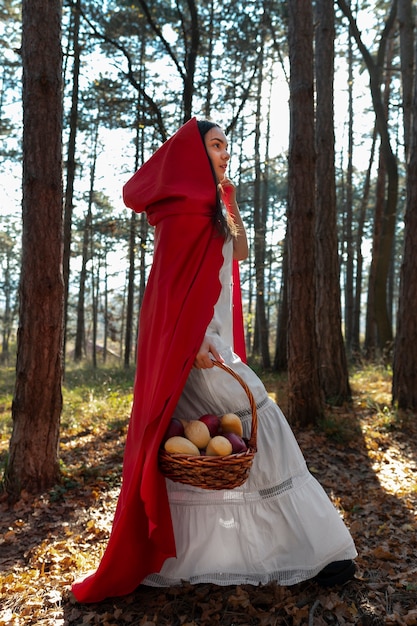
{"type": "Point", "coordinates": [279, 525]}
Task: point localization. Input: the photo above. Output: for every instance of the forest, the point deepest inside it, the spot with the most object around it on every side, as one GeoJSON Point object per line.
{"type": "Point", "coordinates": [319, 104]}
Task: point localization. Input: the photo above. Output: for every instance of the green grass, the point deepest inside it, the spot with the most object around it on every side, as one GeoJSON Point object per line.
{"type": "Point", "coordinates": [93, 396]}
{"type": "Point", "coordinates": [371, 384]}
{"type": "Point", "coordinates": [90, 397]}
{"type": "Point", "coordinates": [340, 428]}
{"type": "Point", "coordinates": [7, 377]}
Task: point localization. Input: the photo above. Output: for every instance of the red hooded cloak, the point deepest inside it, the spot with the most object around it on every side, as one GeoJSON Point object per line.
{"type": "Point", "coordinates": [176, 188]}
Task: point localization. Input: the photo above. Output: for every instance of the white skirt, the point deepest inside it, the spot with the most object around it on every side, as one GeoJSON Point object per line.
{"type": "Point", "coordinates": [278, 526]}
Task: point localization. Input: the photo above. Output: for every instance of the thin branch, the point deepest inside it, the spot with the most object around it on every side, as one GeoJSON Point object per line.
{"type": "Point", "coordinates": [276, 45]}
{"type": "Point", "coordinates": [130, 75]}
{"type": "Point", "coordinates": [245, 96]}
{"type": "Point", "coordinates": [158, 33]}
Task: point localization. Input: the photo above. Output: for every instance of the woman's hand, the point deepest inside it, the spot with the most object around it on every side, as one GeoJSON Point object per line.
{"type": "Point", "coordinates": [240, 242]}
{"type": "Point", "coordinates": [227, 191]}
{"type": "Point", "coordinates": [203, 359]}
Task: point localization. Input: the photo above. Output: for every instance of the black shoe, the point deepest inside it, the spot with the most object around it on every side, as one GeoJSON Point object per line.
{"type": "Point", "coordinates": [336, 573]}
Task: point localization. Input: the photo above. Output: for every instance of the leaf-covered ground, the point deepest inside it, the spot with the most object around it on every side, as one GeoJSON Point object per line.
{"type": "Point", "coordinates": [365, 456]}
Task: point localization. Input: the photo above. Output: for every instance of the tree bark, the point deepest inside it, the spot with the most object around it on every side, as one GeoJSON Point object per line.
{"type": "Point", "coordinates": [87, 254]}
{"type": "Point", "coordinates": [71, 167]}
{"type": "Point", "coordinates": [130, 290]}
{"type": "Point", "coordinates": [10, 262]}
{"type": "Point", "coordinates": [406, 27]}
{"type": "Point", "coordinates": [209, 58]}
{"type": "Point", "coordinates": [371, 341]}
{"type": "Point", "coordinates": [333, 371]}
{"type": "Point", "coordinates": [37, 402]}
{"type": "Point", "coordinates": [348, 213]}
{"type": "Point", "coordinates": [259, 222]}
{"type": "Point", "coordinates": [192, 47]}
{"type": "Point", "coordinates": [132, 252]}
{"type": "Point", "coordinates": [383, 318]}
{"type": "Point", "coordinates": [379, 332]}
{"type": "Point", "coordinates": [356, 344]}
{"type": "Point", "coordinates": [404, 384]}
{"type": "Point", "coordinates": [382, 261]}
{"type": "Point", "coordinates": [305, 400]}
{"type": "Point", "coordinates": [280, 358]}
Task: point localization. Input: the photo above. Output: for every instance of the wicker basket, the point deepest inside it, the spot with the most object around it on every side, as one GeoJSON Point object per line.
{"type": "Point", "coordinates": [214, 472]}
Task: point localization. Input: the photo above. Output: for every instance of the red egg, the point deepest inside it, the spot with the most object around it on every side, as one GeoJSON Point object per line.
{"type": "Point", "coordinates": [212, 422]}
{"type": "Point", "coordinates": [238, 445]}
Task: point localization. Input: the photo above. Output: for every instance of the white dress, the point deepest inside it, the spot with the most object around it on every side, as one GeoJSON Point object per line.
{"type": "Point", "coordinates": [279, 525]}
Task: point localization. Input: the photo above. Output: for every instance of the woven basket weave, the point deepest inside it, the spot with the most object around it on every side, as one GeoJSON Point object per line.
{"type": "Point", "coordinates": [214, 472]}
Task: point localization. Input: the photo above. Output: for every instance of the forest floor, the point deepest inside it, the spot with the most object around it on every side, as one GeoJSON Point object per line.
{"type": "Point", "coordinates": [364, 455]}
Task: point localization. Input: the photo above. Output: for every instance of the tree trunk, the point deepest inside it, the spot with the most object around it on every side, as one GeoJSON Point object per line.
{"type": "Point", "coordinates": [280, 359]}
{"type": "Point", "coordinates": [404, 384]}
{"type": "Point", "coordinates": [250, 339]}
{"type": "Point", "coordinates": [305, 400]}
{"type": "Point", "coordinates": [192, 47]}
{"type": "Point", "coordinates": [132, 253]}
{"type": "Point", "coordinates": [348, 214]}
{"type": "Point", "coordinates": [371, 341]}
{"type": "Point", "coordinates": [106, 312]}
{"type": "Point", "coordinates": [333, 372]}
{"type": "Point", "coordinates": [10, 262]}
{"type": "Point", "coordinates": [37, 403]}
{"type": "Point", "coordinates": [406, 27]}
{"type": "Point", "coordinates": [209, 58]}
{"type": "Point", "coordinates": [259, 221]}
{"type": "Point", "coordinates": [69, 191]}
{"type": "Point", "coordinates": [130, 290]}
{"type": "Point", "coordinates": [87, 252]}
{"type": "Point", "coordinates": [95, 290]}
{"type": "Point", "coordinates": [144, 230]}
{"type": "Point", "coordinates": [382, 261]}
{"type": "Point", "coordinates": [79, 347]}
{"type": "Point", "coordinates": [379, 324]}
{"type": "Point", "coordinates": [356, 346]}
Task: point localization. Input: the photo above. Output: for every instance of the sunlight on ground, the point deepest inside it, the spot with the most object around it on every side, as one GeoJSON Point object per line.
{"type": "Point", "coordinates": [380, 391]}
{"type": "Point", "coordinates": [394, 469]}
{"type": "Point", "coordinates": [372, 392]}
{"type": "Point", "coordinates": [393, 460]}
{"type": "Point", "coordinates": [371, 385]}
{"type": "Point", "coordinates": [49, 540]}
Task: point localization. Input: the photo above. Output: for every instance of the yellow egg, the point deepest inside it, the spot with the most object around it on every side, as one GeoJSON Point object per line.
{"type": "Point", "coordinates": [198, 433]}
{"type": "Point", "coordinates": [181, 445]}
{"type": "Point", "coordinates": [231, 423]}
{"type": "Point", "coordinates": [219, 446]}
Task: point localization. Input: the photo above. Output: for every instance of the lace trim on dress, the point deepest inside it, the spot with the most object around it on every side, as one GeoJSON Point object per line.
{"type": "Point", "coordinates": [286, 577]}
{"type": "Point", "coordinates": [199, 497]}
{"type": "Point", "coordinates": [218, 578]}
{"type": "Point", "coordinates": [243, 413]}
{"type": "Point", "coordinates": [276, 490]}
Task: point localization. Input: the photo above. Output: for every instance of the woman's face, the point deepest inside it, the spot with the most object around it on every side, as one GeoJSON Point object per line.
{"type": "Point", "coordinates": [216, 145]}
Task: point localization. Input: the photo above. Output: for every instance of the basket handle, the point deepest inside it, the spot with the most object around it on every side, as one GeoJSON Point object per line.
{"type": "Point", "coordinates": [254, 429]}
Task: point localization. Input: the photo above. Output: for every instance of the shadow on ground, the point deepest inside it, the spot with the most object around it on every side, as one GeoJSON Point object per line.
{"type": "Point", "coordinates": [367, 467]}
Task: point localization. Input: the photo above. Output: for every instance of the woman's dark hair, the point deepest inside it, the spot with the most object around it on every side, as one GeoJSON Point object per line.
{"type": "Point", "coordinates": [205, 125]}
{"type": "Point", "coordinates": [220, 218]}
